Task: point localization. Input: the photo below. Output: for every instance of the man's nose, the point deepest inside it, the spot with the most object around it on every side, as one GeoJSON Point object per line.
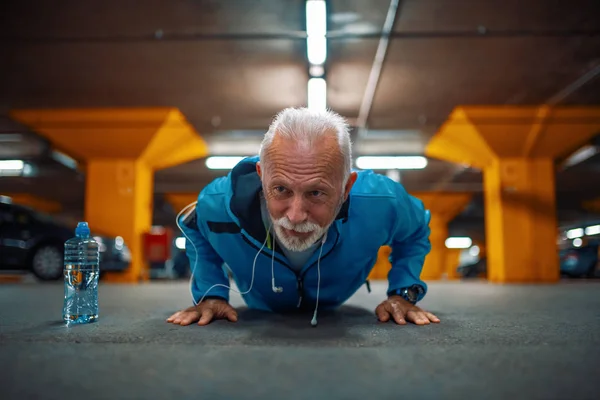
{"type": "Point", "coordinates": [297, 212]}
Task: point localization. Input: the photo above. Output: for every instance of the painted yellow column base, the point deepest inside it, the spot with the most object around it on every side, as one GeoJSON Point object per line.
{"type": "Point", "coordinates": [435, 261]}
{"type": "Point", "coordinates": [382, 266]}
{"type": "Point", "coordinates": [521, 229]}
{"type": "Point", "coordinates": [118, 202]}
{"type": "Point", "coordinates": [452, 262]}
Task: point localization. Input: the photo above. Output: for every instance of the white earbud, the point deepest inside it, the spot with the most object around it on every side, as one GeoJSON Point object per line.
{"type": "Point", "coordinates": [276, 289]}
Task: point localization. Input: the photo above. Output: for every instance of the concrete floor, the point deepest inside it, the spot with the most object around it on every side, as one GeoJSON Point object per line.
{"type": "Point", "coordinates": [494, 342]}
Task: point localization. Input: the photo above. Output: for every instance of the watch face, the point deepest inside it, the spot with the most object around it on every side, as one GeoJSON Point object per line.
{"type": "Point", "coordinates": [410, 295]}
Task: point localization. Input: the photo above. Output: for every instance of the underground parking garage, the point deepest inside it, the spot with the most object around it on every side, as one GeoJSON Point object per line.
{"type": "Point", "coordinates": [179, 216]}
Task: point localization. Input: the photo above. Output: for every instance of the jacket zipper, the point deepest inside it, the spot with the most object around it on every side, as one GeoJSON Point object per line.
{"type": "Point", "coordinates": [301, 277]}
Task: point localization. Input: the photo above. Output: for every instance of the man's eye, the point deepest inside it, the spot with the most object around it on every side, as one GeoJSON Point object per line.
{"type": "Point", "coordinates": [279, 189]}
{"type": "Point", "coordinates": [316, 193]}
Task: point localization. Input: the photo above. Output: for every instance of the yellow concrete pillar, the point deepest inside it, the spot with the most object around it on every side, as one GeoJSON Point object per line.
{"type": "Point", "coordinates": [443, 207]}
{"type": "Point", "coordinates": [520, 209]}
{"type": "Point", "coordinates": [436, 259]}
{"type": "Point", "coordinates": [118, 200]}
{"type": "Point", "coordinates": [516, 148]}
{"type": "Point", "coordinates": [383, 265]}
{"type": "Point", "coordinates": [452, 262]}
{"type": "Point", "coordinates": [121, 148]}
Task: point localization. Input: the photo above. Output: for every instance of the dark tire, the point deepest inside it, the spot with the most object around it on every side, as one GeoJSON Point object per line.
{"type": "Point", "coordinates": [47, 263]}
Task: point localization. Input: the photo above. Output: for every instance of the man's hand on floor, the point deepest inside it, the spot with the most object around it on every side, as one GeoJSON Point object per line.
{"type": "Point", "coordinates": [401, 311]}
{"type": "Point", "coordinates": [204, 313]}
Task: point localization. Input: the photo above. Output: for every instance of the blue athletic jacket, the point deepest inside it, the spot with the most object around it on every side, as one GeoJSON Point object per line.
{"type": "Point", "coordinates": [226, 227]}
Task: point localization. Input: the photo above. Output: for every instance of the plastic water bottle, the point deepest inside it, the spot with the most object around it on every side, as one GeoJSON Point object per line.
{"type": "Point", "coordinates": [81, 272]}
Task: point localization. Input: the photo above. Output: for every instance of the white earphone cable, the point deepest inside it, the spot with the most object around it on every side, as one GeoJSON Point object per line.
{"type": "Point", "coordinates": [313, 322]}
{"type": "Point", "coordinates": [196, 260]}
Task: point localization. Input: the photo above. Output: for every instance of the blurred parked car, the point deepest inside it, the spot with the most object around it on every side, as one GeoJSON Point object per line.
{"type": "Point", "coordinates": [30, 240]}
{"type": "Point", "coordinates": [575, 262]}
{"type": "Point", "coordinates": [579, 262]}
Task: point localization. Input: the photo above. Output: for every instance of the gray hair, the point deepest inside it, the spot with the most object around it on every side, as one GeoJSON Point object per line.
{"type": "Point", "coordinates": [309, 127]}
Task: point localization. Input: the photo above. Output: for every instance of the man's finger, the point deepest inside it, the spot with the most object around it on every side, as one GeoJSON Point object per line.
{"type": "Point", "coordinates": [206, 317]}
{"type": "Point", "coordinates": [418, 317]}
{"type": "Point", "coordinates": [432, 317]}
{"type": "Point", "coordinates": [399, 317]}
{"type": "Point", "coordinates": [232, 315]}
{"type": "Point", "coordinates": [382, 314]}
{"type": "Point", "coordinates": [189, 318]}
{"type": "Point", "coordinates": [172, 317]}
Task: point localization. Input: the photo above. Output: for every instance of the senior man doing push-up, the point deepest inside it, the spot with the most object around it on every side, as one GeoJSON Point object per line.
{"type": "Point", "coordinates": [299, 229]}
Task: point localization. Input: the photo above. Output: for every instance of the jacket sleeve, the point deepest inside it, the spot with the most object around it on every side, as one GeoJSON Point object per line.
{"type": "Point", "coordinates": [206, 265]}
{"type": "Point", "coordinates": [410, 243]}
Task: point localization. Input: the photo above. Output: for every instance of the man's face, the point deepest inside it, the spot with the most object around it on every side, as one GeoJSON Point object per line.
{"type": "Point", "coordinates": [303, 189]}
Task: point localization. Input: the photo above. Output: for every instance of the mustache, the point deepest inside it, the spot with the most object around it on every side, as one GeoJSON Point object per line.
{"type": "Point", "coordinates": [303, 227]}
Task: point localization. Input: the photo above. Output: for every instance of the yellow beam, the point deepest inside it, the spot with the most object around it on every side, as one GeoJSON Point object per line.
{"type": "Point", "coordinates": [161, 137]}
{"type": "Point", "coordinates": [37, 203]}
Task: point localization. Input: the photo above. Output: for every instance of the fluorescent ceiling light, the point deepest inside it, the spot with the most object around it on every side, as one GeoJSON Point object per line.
{"type": "Point", "coordinates": [592, 230]}
{"type": "Point", "coordinates": [180, 243]}
{"type": "Point", "coordinates": [316, 71]}
{"type": "Point", "coordinates": [317, 94]}
{"type": "Point", "coordinates": [316, 29]}
{"type": "Point", "coordinates": [223, 162]}
{"type": "Point", "coordinates": [316, 18]}
{"type": "Point", "coordinates": [575, 233]}
{"type": "Point", "coordinates": [458, 242]}
{"type": "Point", "coordinates": [385, 162]}
{"type": "Point", "coordinates": [12, 165]}
{"type": "Point", "coordinates": [581, 155]}
{"type": "Point", "coordinates": [316, 49]}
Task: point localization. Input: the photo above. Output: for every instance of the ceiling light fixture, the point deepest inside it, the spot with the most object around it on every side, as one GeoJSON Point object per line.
{"type": "Point", "coordinates": [316, 49]}
{"type": "Point", "coordinates": [575, 233]}
{"type": "Point", "coordinates": [458, 242]}
{"type": "Point", "coordinates": [388, 162]}
{"type": "Point", "coordinates": [317, 94]}
{"type": "Point", "coordinates": [592, 230]}
{"type": "Point", "coordinates": [316, 71]}
{"type": "Point", "coordinates": [13, 167]}
{"type": "Point", "coordinates": [223, 162]}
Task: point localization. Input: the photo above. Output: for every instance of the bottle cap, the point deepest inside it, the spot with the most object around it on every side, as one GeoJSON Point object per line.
{"type": "Point", "coordinates": [82, 229]}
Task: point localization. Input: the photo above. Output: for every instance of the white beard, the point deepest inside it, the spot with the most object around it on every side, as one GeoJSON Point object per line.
{"type": "Point", "coordinates": [295, 243]}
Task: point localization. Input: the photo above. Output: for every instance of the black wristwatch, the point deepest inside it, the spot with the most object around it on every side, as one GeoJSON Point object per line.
{"type": "Point", "coordinates": [410, 294]}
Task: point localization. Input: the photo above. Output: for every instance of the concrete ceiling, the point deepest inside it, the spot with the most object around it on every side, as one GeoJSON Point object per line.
{"type": "Point", "coordinates": [229, 66]}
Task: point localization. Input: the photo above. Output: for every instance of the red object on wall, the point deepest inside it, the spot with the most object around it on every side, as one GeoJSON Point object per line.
{"type": "Point", "coordinates": [157, 245]}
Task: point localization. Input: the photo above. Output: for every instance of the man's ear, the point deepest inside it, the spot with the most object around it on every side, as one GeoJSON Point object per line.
{"type": "Point", "coordinates": [258, 169]}
{"type": "Point", "coordinates": [349, 184]}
